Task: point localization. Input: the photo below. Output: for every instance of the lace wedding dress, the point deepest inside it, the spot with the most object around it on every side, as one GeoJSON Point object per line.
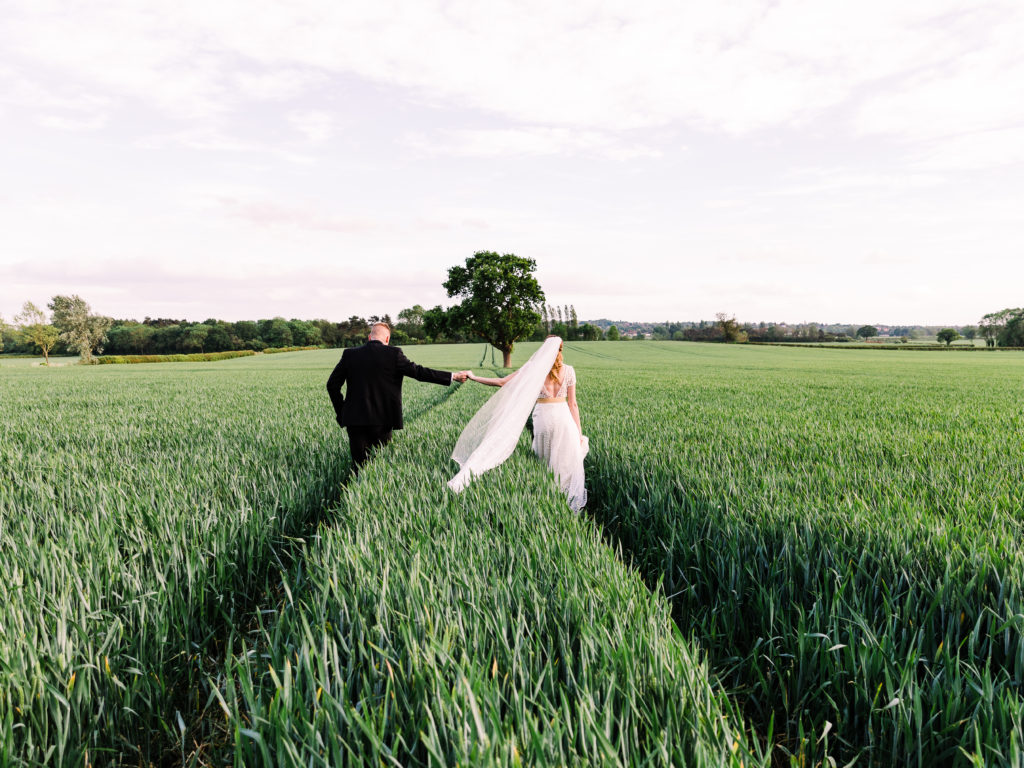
{"type": "Point", "coordinates": [557, 440]}
{"type": "Point", "coordinates": [492, 434]}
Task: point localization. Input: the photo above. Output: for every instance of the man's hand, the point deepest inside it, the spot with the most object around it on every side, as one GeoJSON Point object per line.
{"type": "Point", "coordinates": [460, 376]}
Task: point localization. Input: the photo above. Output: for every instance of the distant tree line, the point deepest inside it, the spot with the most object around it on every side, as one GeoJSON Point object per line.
{"type": "Point", "coordinates": [74, 329]}
{"type": "Point", "coordinates": [722, 329]}
{"type": "Point", "coordinates": [482, 284]}
{"type": "Point", "coordinates": [727, 329]}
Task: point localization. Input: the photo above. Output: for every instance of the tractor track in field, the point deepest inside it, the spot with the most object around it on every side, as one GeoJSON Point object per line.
{"type": "Point", "coordinates": [207, 739]}
{"type": "Point", "coordinates": [607, 518]}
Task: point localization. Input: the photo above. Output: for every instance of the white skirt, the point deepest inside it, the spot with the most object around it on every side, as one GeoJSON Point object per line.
{"type": "Point", "coordinates": [557, 440]}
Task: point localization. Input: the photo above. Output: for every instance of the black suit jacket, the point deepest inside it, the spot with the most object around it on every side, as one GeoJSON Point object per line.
{"type": "Point", "coordinates": [374, 373]}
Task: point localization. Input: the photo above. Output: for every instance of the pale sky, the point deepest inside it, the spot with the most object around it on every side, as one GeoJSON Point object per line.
{"type": "Point", "coordinates": [791, 160]}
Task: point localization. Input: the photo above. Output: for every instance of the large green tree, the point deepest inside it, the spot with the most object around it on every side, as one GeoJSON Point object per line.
{"type": "Point", "coordinates": [731, 328]}
{"type": "Point", "coordinates": [992, 324]}
{"type": "Point", "coordinates": [79, 328]}
{"type": "Point", "coordinates": [353, 331]}
{"type": "Point", "coordinates": [195, 337]}
{"type": "Point", "coordinates": [1005, 327]}
{"type": "Point", "coordinates": [276, 332]}
{"type": "Point", "coordinates": [867, 331]}
{"type": "Point", "coordinates": [500, 298]}
{"type": "Point", "coordinates": [246, 330]}
{"type": "Point", "coordinates": [1012, 334]}
{"type": "Point", "coordinates": [36, 330]}
{"type": "Point", "coordinates": [220, 338]}
{"type": "Point", "coordinates": [304, 333]}
{"type": "Point", "coordinates": [410, 321]}
{"type": "Point", "coordinates": [130, 338]}
{"type": "Point", "coordinates": [948, 336]}
{"type": "Point", "coordinates": [439, 325]}
{"type": "Point", "coordinates": [167, 338]}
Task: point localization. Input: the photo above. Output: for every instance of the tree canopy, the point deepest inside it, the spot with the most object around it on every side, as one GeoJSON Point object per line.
{"type": "Point", "coordinates": [731, 328]}
{"type": "Point", "coordinates": [79, 328]}
{"type": "Point", "coordinates": [500, 298]}
{"type": "Point", "coordinates": [35, 330]}
{"type": "Point", "coordinates": [1012, 334]}
{"type": "Point", "coordinates": [948, 335]}
{"type": "Point", "coordinates": [1005, 327]}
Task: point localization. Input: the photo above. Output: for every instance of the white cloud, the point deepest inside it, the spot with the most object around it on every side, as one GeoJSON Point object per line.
{"type": "Point", "coordinates": [979, 86]}
{"type": "Point", "coordinates": [202, 139]}
{"type": "Point", "coordinates": [65, 123]}
{"type": "Point", "coordinates": [816, 181]}
{"type": "Point", "coordinates": [269, 213]}
{"type": "Point", "coordinates": [533, 140]}
{"type": "Point", "coordinates": [133, 51]}
{"type": "Point", "coordinates": [738, 66]}
{"type": "Point", "coordinates": [999, 148]}
{"type": "Point", "coordinates": [60, 108]}
{"type": "Point", "coordinates": [217, 140]}
{"type": "Point", "coordinates": [276, 85]}
{"type": "Point", "coordinates": [315, 125]}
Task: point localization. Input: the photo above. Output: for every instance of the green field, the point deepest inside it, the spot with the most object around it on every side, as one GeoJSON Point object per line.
{"type": "Point", "coordinates": [790, 556]}
{"type": "Point", "coordinates": [20, 361]}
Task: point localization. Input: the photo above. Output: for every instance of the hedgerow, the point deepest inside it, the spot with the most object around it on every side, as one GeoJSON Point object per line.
{"type": "Point", "coordinates": [276, 350]}
{"type": "Point", "coordinates": [199, 357]}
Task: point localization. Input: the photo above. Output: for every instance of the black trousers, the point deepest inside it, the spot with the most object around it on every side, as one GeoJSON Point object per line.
{"type": "Point", "coordinates": [362, 440]}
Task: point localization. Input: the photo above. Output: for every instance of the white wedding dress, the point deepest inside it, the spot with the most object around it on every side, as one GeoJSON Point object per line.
{"type": "Point", "coordinates": [492, 434]}
{"type": "Point", "coordinates": [557, 440]}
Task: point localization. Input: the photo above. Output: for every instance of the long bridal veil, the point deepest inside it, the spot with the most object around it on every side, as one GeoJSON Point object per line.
{"type": "Point", "coordinates": [491, 435]}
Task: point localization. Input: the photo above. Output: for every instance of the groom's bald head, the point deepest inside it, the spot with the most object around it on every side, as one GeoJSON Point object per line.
{"type": "Point", "coordinates": [380, 332]}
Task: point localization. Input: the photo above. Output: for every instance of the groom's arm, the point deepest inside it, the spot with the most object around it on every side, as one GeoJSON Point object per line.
{"type": "Point", "coordinates": [334, 382]}
{"type": "Point", "coordinates": [407, 367]}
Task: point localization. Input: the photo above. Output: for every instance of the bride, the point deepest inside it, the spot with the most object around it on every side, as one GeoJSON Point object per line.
{"type": "Point", "coordinates": [547, 386]}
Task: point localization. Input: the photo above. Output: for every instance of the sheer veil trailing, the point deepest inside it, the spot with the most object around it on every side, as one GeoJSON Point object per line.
{"type": "Point", "coordinates": [492, 434]}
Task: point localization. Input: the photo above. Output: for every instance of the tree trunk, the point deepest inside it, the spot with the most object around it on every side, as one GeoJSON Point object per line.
{"type": "Point", "coordinates": [507, 357]}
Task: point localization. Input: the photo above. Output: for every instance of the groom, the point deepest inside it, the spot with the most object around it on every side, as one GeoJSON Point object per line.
{"type": "Point", "coordinates": [374, 373]}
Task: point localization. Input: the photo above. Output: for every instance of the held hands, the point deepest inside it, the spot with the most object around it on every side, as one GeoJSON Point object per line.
{"type": "Point", "coordinates": [461, 376]}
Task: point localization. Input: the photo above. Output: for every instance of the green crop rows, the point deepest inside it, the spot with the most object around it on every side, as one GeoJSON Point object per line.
{"type": "Point", "coordinates": [490, 628]}
{"type": "Point", "coordinates": [791, 556]}
{"type": "Point", "coordinates": [841, 531]}
{"type": "Point", "coordinates": [140, 515]}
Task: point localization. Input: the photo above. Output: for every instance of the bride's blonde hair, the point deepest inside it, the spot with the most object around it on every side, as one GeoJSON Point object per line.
{"type": "Point", "coordinates": [556, 369]}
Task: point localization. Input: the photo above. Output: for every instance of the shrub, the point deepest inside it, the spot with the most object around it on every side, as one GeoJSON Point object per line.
{"type": "Point", "coordinates": [201, 357]}
{"type": "Point", "coordinates": [275, 350]}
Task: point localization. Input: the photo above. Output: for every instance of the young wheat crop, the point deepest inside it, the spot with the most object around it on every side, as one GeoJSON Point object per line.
{"type": "Point", "coordinates": [188, 578]}
{"type": "Point", "coordinates": [141, 515]}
